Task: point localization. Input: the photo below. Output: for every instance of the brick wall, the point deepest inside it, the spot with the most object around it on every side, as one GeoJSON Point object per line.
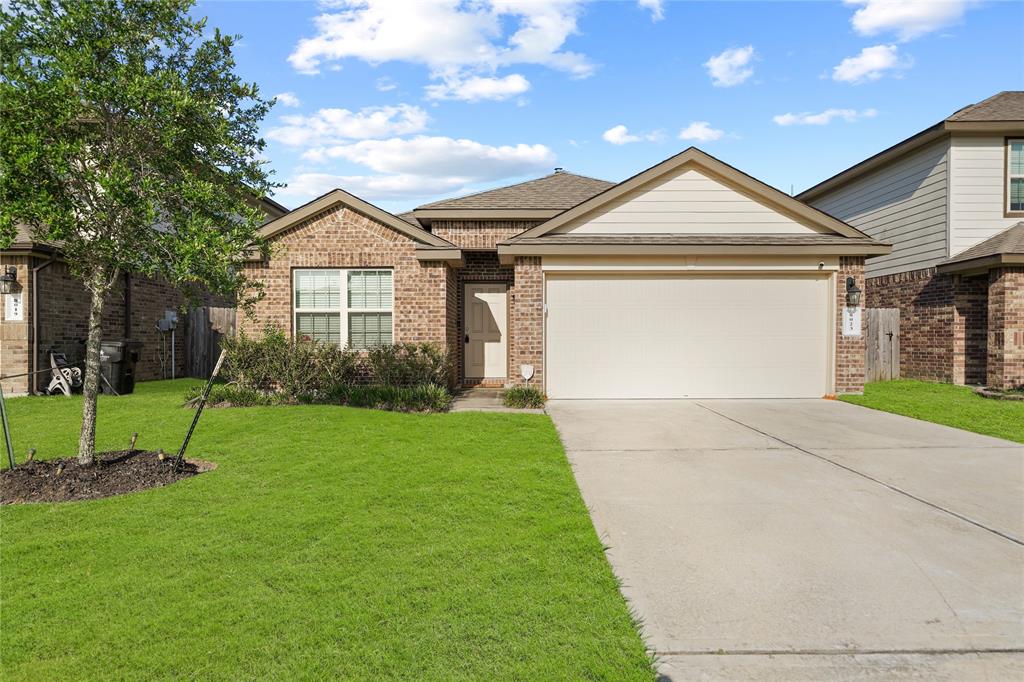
{"type": "Point", "coordinates": [1006, 327]}
{"type": "Point", "coordinates": [63, 318]}
{"type": "Point", "coordinates": [15, 337]}
{"type": "Point", "coordinates": [850, 350]}
{"type": "Point", "coordinates": [970, 329]}
{"type": "Point", "coordinates": [479, 234]}
{"type": "Point", "coordinates": [526, 346]}
{"type": "Point", "coordinates": [342, 238]}
{"type": "Point", "coordinates": [925, 300]}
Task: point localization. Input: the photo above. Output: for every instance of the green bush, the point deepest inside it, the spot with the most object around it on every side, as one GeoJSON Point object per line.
{"type": "Point", "coordinates": [524, 397]}
{"type": "Point", "coordinates": [276, 364]}
{"type": "Point", "coordinates": [409, 364]}
{"type": "Point", "coordinates": [232, 395]}
{"type": "Point", "coordinates": [421, 398]}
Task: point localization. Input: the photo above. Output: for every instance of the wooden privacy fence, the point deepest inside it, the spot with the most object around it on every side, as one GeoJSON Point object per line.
{"type": "Point", "coordinates": [883, 344]}
{"type": "Point", "coordinates": [206, 327]}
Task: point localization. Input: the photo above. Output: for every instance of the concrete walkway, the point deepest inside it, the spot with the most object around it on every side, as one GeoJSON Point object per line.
{"type": "Point", "coordinates": [806, 540]}
{"type": "Point", "coordinates": [484, 400]}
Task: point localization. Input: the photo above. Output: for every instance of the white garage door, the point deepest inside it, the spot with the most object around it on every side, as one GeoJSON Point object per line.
{"type": "Point", "coordinates": [693, 336]}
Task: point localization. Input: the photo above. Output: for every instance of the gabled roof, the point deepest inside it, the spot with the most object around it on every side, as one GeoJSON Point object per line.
{"type": "Point", "coordinates": [1005, 248]}
{"type": "Point", "coordinates": [531, 200]}
{"type": "Point", "coordinates": [558, 191]}
{"type": "Point", "coordinates": [340, 196]}
{"type": "Point", "coordinates": [779, 201]}
{"type": "Point", "coordinates": [1000, 113]}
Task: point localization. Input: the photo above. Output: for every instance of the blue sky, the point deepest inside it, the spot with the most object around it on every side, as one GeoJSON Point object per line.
{"type": "Point", "coordinates": [402, 103]}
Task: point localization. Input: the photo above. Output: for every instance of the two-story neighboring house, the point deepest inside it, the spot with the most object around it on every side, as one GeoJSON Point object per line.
{"type": "Point", "coordinates": [950, 200]}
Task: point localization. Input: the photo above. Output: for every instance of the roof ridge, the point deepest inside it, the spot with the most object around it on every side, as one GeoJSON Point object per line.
{"type": "Point", "coordinates": [514, 184]}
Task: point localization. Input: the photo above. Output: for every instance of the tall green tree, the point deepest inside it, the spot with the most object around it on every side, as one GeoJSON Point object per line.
{"type": "Point", "coordinates": [127, 139]}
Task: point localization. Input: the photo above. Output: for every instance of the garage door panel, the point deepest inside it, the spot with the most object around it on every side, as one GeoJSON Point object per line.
{"type": "Point", "coordinates": [663, 336]}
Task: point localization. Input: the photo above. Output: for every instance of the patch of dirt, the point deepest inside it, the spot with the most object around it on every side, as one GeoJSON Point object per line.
{"type": "Point", "coordinates": [114, 473]}
{"type": "Point", "coordinates": [1000, 394]}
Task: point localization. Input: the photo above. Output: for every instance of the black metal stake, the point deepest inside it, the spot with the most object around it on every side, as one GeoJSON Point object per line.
{"type": "Point", "coordinates": [7, 429]}
{"type": "Point", "coordinates": [199, 411]}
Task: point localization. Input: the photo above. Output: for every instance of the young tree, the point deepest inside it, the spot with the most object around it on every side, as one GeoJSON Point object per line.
{"type": "Point", "coordinates": [127, 140]}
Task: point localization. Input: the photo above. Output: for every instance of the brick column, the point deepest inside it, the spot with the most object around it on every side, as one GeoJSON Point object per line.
{"type": "Point", "coordinates": [527, 326]}
{"type": "Point", "coordinates": [850, 350]}
{"type": "Point", "coordinates": [1006, 327]}
{"type": "Point", "coordinates": [969, 329]}
{"type": "Point", "coordinates": [16, 337]}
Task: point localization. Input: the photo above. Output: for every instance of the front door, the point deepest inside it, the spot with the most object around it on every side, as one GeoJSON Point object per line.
{"type": "Point", "coordinates": [485, 331]}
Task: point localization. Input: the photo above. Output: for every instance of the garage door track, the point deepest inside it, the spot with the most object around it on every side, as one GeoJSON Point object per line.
{"type": "Point", "coordinates": [806, 539]}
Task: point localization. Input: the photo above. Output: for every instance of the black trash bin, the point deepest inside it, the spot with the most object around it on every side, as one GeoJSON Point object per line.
{"type": "Point", "coordinates": [117, 365]}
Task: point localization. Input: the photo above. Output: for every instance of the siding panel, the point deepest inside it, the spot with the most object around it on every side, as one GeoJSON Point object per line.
{"type": "Point", "coordinates": [903, 203]}
{"type": "Point", "coordinates": [976, 191]}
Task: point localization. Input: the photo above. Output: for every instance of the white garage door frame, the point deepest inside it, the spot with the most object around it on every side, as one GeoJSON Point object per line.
{"type": "Point", "coordinates": [827, 270]}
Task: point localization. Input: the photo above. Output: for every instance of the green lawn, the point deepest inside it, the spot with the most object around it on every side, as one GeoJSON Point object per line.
{"type": "Point", "coordinates": [945, 404]}
{"type": "Point", "coordinates": [329, 543]}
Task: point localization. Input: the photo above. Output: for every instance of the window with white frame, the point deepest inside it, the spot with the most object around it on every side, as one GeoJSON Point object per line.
{"type": "Point", "coordinates": [344, 307]}
{"type": "Point", "coordinates": [1015, 175]}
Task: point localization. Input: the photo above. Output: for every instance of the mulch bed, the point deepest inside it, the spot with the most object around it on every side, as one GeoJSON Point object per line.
{"type": "Point", "coordinates": [115, 473]}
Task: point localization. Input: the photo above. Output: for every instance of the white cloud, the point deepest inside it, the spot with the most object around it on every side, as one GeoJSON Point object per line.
{"type": "Point", "coordinates": [731, 67]}
{"type": "Point", "coordinates": [476, 88]}
{"type": "Point", "coordinates": [870, 65]}
{"type": "Point", "coordinates": [445, 35]}
{"type": "Point", "coordinates": [823, 117]}
{"type": "Point", "coordinates": [417, 167]}
{"type": "Point", "coordinates": [385, 84]}
{"type": "Point", "coordinates": [619, 135]}
{"type": "Point", "coordinates": [656, 7]}
{"type": "Point", "coordinates": [700, 131]}
{"type": "Point", "coordinates": [287, 99]}
{"type": "Point", "coordinates": [328, 126]}
{"type": "Point", "coordinates": [306, 186]}
{"type": "Point", "coordinates": [441, 156]}
{"type": "Point", "coordinates": [908, 19]}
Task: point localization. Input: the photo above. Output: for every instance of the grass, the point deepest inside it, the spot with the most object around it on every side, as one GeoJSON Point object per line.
{"type": "Point", "coordinates": [329, 543]}
{"type": "Point", "coordinates": [947, 404]}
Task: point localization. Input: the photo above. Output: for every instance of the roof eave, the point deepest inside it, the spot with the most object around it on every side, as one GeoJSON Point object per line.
{"type": "Point", "coordinates": [981, 263]}
{"type": "Point", "coordinates": [452, 257]}
{"type": "Point", "coordinates": [425, 215]}
{"type": "Point", "coordinates": [508, 252]}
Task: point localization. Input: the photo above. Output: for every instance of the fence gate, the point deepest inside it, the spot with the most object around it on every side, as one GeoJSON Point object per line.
{"type": "Point", "coordinates": [883, 344]}
{"type": "Point", "coordinates": [206, 327]}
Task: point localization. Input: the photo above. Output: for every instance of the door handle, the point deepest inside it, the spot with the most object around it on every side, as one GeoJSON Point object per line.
{"type": "Point", "coordinates": [467, 338]}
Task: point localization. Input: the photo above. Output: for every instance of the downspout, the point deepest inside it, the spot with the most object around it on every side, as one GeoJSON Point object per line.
{"type": "Point", "coordinates": [35, 321]}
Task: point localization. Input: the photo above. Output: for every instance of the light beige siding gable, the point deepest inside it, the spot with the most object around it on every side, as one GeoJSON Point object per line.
{"type": "Point", "coordinates": [686, 202]}
{"type": "Point", "coordinates": [904, 203]}
{"type": "Point", "coordinates": [977, 191]}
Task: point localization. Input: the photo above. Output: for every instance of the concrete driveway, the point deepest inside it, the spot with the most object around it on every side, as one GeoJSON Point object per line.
{"type": "Point", "coordinates": [806, 539]}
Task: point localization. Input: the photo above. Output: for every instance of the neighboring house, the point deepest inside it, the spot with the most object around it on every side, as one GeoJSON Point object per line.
{"type": "Point", "coordinates": [690, 279]}
{"type": "Point", "coordinates": [950, 200]}
{"type": "Point", "coordinates": [55, 314]}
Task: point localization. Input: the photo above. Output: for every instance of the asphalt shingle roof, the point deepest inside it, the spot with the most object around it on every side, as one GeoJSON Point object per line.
{"type": "Point", "coordinates": [1006, 106]}
{"type": "Point", "coordinates": [558, 191]}
{"type": "Point", "coordinates": [1010, 240]}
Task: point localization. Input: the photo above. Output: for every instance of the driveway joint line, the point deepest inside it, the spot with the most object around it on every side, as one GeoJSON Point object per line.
{"type": "Point", "coordinates": [837, 652]}
{"type": "Point", "coordinates": [895, 489]}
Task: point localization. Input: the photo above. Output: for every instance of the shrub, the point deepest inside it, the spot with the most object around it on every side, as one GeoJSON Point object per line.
{"type": "Point", "coordinates": [276, 364]}
{"type": "Point", "coordinates": [524, 396]}
{"type": "Point", "coordinates": [421, 398]}
{"type": "Point", "coordinates": [409, 364]}
{"type": "Point", "coordinates": [232, 395]}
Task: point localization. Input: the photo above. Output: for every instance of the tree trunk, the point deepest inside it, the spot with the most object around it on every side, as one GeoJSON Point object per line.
{"type": "Point", "coordinates": [98, 289]}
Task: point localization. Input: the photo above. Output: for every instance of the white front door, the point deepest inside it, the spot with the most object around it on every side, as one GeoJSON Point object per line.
{"type": "Point", "coordinates": [486, 330]}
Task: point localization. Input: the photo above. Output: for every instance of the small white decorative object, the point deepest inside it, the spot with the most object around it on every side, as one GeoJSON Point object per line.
{"type": "Point", "coordinates": [851, 321]}
{"type": "Point", "coordinates": [526, 371]}
{"type": "Point", "coordinates": [14, 311]}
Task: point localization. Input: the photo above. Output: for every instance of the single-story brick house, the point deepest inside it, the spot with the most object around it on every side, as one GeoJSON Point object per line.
{"type": "Point", "coordinates": [52, 312]}
{"type": "Point", "coordinates": [690, 279]}
{"type": "Point", "coordinates": [950, 199]}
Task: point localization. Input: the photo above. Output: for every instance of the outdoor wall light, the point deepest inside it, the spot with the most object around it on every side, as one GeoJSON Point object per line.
{"type": "Point", "coordinates": [9, 280]}
{"type": "Point", "coordinates": [852, 293]}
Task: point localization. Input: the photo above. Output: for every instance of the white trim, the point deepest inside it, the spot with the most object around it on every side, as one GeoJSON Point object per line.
{"type": "Point", "coordinates": [1010, 175]}
{"type": "Point", "coordinates": [343, 310]}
